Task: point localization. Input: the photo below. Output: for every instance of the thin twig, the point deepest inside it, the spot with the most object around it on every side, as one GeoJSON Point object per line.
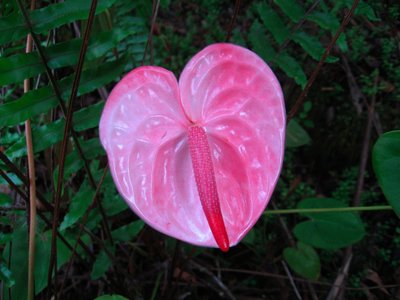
{"type": "Point", "coordinates": [63, 150]}
{"type": "Point", "coordinates": [233, 20]}
{"type": "Point", "coordinates": [299, 101]}
{"type": "Point", "coordinates": [150, 36]}
{"type": "Point", "coordinates": [325, 210]}
{"type": "Point", "coordinates": [287, 271]}
{"type": "Point", "coordinates": [222, 287]}
{"type": "Point", "coordinates": [25, 180]}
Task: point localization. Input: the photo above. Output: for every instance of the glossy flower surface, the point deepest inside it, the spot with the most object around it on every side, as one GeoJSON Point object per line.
{"type": "Point", "coordinates": [223, 122]}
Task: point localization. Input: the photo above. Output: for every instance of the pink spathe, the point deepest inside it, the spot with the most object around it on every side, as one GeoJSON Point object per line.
{"type": "Point", "coordinates": [229, 104]}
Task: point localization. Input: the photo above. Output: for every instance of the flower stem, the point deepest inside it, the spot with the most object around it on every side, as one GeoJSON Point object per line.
{"type": "Point", "coordinates": [322, 210]}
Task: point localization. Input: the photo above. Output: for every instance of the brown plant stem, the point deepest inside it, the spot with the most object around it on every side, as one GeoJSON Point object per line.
{"type": "Point", "coordinates": [32, 186]}
{"type": "Point", "coordinates": [63, 150]}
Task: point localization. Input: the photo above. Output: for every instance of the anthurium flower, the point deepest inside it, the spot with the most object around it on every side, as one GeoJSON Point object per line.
{"type": "Point", "coordinates": [197, 160]}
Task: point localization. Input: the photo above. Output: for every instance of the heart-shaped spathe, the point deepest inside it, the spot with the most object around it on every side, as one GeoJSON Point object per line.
{"type": "Point", "coordinates": [223, 122]}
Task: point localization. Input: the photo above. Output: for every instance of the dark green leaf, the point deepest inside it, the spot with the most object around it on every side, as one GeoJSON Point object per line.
{"type": "Point", "coordinates": [312, 46]}
{"type": "Point", "coordinates": [292, 9]}
{"type": "Point", "coordinates": [292, 68]}
{"type": "Point", "coordinates": [5, 238]}
{"type": "Point", "coordinates": [259, 42]}
{"type": "Point", "coordinates": [16, 68]}
{"type": "Point", "coordinates": [79, 204]}
{"type": "Point", "coordinates": [101, 265]}
{"type": "Point", "coordinates": [47, 135]}
{"type": "Point", "coordinates": [13, 27]}
{"type": "Point", "coordinates": [91, 149]}
{"type": "Point", "coordinates": [273, 22]}
{"type": "Point", "coordinates": [296, 136]}
{"type": "Point", "coordinates": [386, 163]}
{"type": "Point", "coordinates": [304, 260]}
{"type": "Point", "coordinates": [19, 260]}
{"type": "Point", "coordinates": [325, 20]}
{"type": "Point", "coordinates": [43, 99]}
{"type": "Point", "coordinates": [128, 232]}
{"type": "Point", "coordinates": [5, 200]}
{"type": "Point", "coordinates": [6, 275]}
{"type": "Point", "coordinates": [329, 230]}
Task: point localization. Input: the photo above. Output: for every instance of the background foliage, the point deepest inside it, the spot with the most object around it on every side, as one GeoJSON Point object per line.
{"type": "Point", "coordinates": [104, 251]}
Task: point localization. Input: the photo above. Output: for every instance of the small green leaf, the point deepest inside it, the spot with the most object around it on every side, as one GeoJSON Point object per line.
{"type": "Point", "coordinates": [328, 230]}
{"type": "Point", "coordinates": [6, 275]}
{"type": "Point", "coordinates": [386, 163]}
{"type": "Point", "coordinates": [101, 265]}
{"type": "Point", "coordinates": [111, 297]}
{"type": "Point", "coordinates": [78, 206]}
{"type": "Point", "coordinates": [304, 260]}
{"type": "Point", "coordinates": [312, 46]}
{"type": "Point", "coordinates": [324, 20]}
{"type": "Point", "coordinates": [273, 22]}
{"type": "Point", "coordinates": [292, 9]}
{"type": "Point", "coordinates": [296, 136]}
{"type": "Point", "coordinates": [292, 68]}
{"type": "Point", "coordinates": [128, 232]}
{"type": "Point", "coordinates": [12, 27]}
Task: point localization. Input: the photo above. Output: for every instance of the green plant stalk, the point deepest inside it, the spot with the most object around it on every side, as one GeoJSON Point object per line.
{"type": "Point", "coordinates": [322, 210]}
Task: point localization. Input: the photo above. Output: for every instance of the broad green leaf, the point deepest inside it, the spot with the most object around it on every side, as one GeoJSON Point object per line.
{"type": "Point", "coordinates": [304, 260]}
{"type": "Point", "coordinates": [79, 204]}
{"type": "Point", "coordinates": [13, 27]}
{"type": "Point", "coordinates": [111, 297]}
{"type": "Point", "coordinates": [324, 20]}
{"type": "Point", "coordinates": [16, 68]}
{"type": "Point", "coordinates": [43, 99]}
{"type": "Point", "coordinates": [127, 232]}
{"type": "Point", "coordinates": [329, 230]}
{"type": "Point", "coordinates": [19, 260]}
{"type": "Point", "coordinates": [386, 163]}
{"type": "Point", "coordinates": [292, 9]}
{"type": "Point", "coordinates": [296, 136]}
{"type": "Point", "coordinates": [273, 22]}
{"type": "Point", "coordinates": [312, 46]}
{"type": "Point", "coordinates": [259, 42]}
{"type": "Point", "coordinates": [292, 68]}
{"type": "Point", "coordinates": [47, 135]}
{"type": "Point", "coordinates": [6, 275]}
{"type": "Point", "coordinates": [101, 265]}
